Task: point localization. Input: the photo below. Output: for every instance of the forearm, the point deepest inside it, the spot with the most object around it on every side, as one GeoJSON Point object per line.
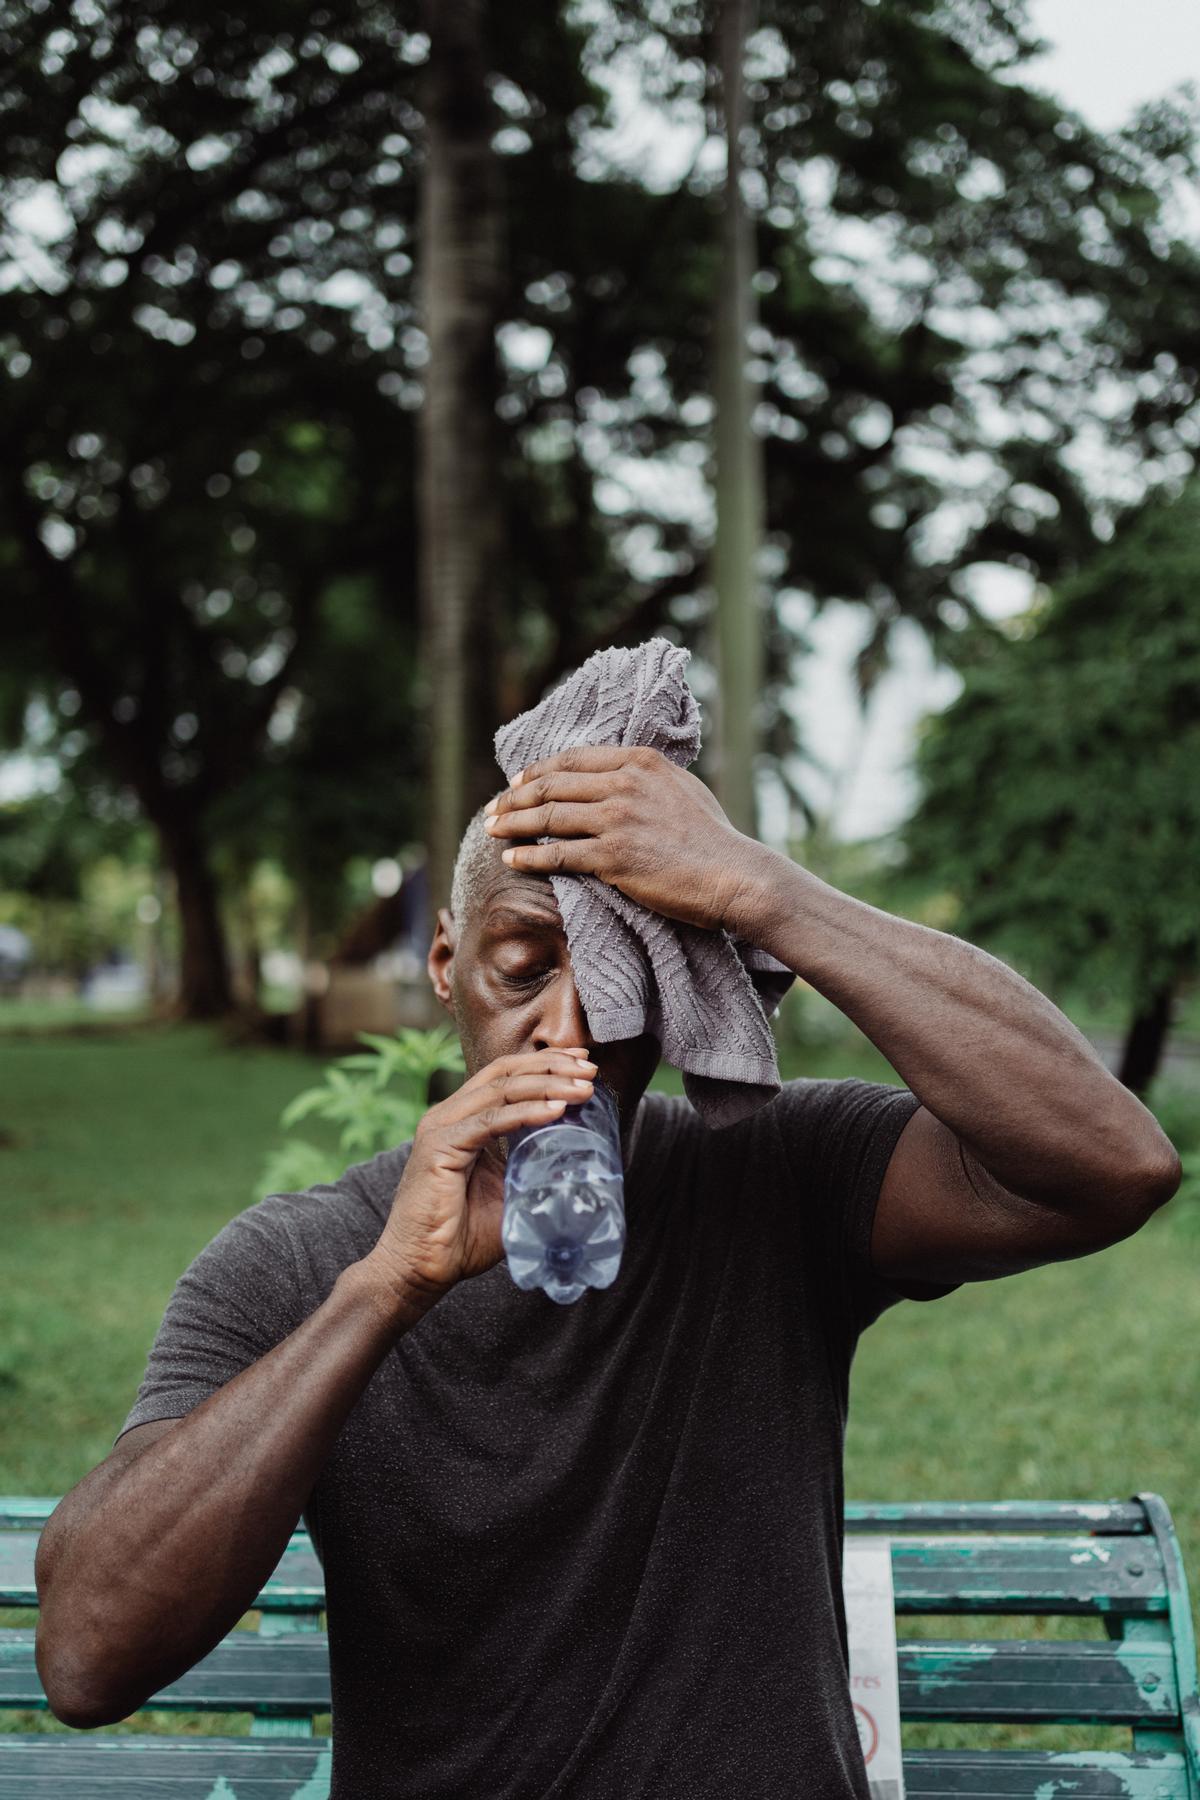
{"type": "Point", "coordinates": [148, 1563]}
{"type": "Point", "coordinates": [985, 1052]}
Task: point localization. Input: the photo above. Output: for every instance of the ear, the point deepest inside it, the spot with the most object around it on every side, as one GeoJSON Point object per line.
{"type": "Point", "coordinates": [440, 961]}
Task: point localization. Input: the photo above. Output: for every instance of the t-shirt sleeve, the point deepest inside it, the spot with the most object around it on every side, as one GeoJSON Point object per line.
{"type": "Point", "coordinates": [838, 1138]}
{"type": "Point", "coordinates": [237, 1300]}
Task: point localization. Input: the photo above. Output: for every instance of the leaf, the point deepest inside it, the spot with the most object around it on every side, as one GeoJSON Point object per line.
{"type": "Point", "coordinates": [295, 1167]}
{"type": "Point", "coordinates": [312, 1100]}
{"type": "Point", "coordinates": [358, 1097]}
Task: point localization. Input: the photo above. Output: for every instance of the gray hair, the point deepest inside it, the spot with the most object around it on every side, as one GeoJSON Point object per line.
{"type": "Point", "coordinates": [474, 867]}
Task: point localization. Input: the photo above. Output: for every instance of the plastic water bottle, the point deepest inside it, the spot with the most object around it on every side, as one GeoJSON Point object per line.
{"type": "Point", "coordinates": [563, 1227]}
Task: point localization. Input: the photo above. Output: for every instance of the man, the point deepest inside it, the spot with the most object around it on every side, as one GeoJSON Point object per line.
{"type": "Point", "coordinates": [589, 1552]}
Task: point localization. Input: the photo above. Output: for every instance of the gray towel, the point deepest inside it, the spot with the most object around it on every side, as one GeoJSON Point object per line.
{"type": "Point", "coordinates": [705, 995]}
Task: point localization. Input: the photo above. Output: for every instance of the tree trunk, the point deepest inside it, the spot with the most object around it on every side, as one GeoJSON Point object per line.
{"type": "Point", "coordinates": [205, 991]}
{"type": "Point", "coordinates": [1147, 1039]}
{"type": "Point", "coordinates": [739, 471]}
{"type": "Point", "coordinates": [376, 928]}
{"type": "Point", "coordinates": [459, 486]}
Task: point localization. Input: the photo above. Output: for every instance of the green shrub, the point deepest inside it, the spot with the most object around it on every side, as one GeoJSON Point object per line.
{"type": "Point", "coordinates": [376, 1096]}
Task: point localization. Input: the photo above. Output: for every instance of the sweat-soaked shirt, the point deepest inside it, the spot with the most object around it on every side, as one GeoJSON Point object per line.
{"type": "Point", "coordinates": [589, 1552]}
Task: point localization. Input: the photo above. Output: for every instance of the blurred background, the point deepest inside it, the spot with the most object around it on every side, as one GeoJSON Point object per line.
{"type": "Point", "coordinates": [364, 372]}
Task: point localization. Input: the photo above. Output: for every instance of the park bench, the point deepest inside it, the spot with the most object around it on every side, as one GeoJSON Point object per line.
{"type": "Point", "coordinates": [1117, 1562]}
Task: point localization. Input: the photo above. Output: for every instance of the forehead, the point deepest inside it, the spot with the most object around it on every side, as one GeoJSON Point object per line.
{"type": "Point", "coordinates": [519, 903]}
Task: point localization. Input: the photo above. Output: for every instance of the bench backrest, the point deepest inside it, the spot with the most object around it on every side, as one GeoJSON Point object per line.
{"type": "Point", "coordinates": [1117, 1561]}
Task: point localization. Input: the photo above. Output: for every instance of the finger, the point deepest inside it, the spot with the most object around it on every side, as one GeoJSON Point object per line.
{"type": "Point", "coordinates": [594, 757]}
{"type": "Point", "coordinates": [498, 1121]}
{"type": "Point", "coordinates": [507, 1090]}
{"type": "Point", "coordinates": [457, 1116]}
{"type": "Point", "coordinates": [565, 856]}
{"type": "Point", "coordinates": [560, 784]}
{"type": "Point", "coordinates": [562, 1060]}
{"type": "Point", "coordinates": [558, 816]}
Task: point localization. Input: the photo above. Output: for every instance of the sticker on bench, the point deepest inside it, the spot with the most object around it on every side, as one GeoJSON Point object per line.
{"type": "Point", "coordinates": [874, 1677]}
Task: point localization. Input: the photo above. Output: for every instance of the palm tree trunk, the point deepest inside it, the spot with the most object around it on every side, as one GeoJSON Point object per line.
{"type": "Point", "coordinates": [458, 503]}
{"type": "Point", "coordinates": [739, 472]}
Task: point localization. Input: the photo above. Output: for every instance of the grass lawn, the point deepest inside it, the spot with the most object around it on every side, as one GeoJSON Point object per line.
{"type": "Point", "coordinates": [122, 1154]}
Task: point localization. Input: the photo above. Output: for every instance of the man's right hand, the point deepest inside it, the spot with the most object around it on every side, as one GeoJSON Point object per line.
{"type": "Point", "coordinates": [445, 1219]}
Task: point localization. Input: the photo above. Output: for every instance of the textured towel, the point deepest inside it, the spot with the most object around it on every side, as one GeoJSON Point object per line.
{"type": "Point", "coordinates": [705, 995]}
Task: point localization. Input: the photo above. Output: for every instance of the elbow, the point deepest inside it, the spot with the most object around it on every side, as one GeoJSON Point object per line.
{"type": "Point", "coordinates": [74, 1697]}
{"type": "Point", "coordinates": [76, 1677]}
{"type": "Point", "coordinates": [1150, 1175]}
{"type": "Point", "coordinates": [1162, 1175]}
{"type": "Point", "coordinates": [80, 1712]}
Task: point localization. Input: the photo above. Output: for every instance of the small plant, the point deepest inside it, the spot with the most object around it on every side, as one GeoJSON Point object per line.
{"type": "Point", "coordinates": [377, 1096]}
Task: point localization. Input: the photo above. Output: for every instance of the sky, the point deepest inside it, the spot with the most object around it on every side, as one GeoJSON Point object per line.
{"type": "Point", "coordinates": [1107, 58]}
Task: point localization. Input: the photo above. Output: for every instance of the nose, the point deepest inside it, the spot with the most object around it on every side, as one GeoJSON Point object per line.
{"type": "Point", "coordinates": [563, 1022]}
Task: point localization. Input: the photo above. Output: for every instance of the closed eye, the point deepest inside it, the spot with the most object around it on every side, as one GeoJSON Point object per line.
{"type": "Point", "coordinates": [525, 980]}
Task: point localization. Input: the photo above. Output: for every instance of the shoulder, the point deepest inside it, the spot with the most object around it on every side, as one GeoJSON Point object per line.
{"type": "Point", "coordinates": [833, 1126]}
{"type": "Point", "coordinates": [824, 1097]}
{"type": "Point", "coordinates": [313, 1232]}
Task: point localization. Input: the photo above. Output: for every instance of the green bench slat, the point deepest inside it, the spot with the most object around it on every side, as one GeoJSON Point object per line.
{"type": "Point", "coordinates": [1056, 1683]}
{"type": "Point", "coordinates": [148, 1768]}
{"type": "Point", "coordinates": [21, 1511]}
{"type": "Point", "coordinates": [281, 1676]}
{"type": "Point", "coordinates": [1028, 1575]}
{"type": "Point", "coordinates": [1099, 1517]}
{"type": "Point", "coordinates": [994, 1682]}
{"type": "Point", "coordinates": [1034, 1574]}
{"type": "Point", "coordinates": [1042, 1775]}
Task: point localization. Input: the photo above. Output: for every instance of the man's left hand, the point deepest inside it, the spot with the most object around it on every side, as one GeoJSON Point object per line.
{"type": "Point", "coordinates": [636, 820]}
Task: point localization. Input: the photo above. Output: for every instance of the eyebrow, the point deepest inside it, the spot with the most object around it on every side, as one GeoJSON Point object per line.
{"type": "Point", "coordinates": [498, 917]}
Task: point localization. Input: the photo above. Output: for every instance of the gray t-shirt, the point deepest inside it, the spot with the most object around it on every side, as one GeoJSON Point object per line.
{"type": "Point", "coordinates": [590, 1552]}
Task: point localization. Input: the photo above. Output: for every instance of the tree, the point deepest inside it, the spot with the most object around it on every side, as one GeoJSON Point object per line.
{"type": "Point", "coordinates": [739, 472]}
{"type": "Point", "coordinates": [215, 360]}
{"type": "Point", "coordinates": [461, 517]}
{"type": "Point", "coordinates": [959, 285]}
{"type": "Point", "coordinates": [1060, 802]}
{"type": "Point", "coordinates": [188, 474]}
{"type": "Point", "coordinates": [70, 875]}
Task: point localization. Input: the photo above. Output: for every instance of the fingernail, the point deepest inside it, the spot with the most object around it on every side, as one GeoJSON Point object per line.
{"type": "Point", "coordinates": [489, 824]}
{"type": "Point", "coordinates": [517, 779]}
{"type": "Point", "coordinates": [507, 855]}
{"type": "Point", "coordinates": [577, 1081]}
{"type": "Point", "coordinates": [492, 806]}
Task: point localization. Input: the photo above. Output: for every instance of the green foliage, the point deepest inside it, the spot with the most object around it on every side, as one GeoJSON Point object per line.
{"type": "Point", "coordinates": [70, 879]}
{"type": "Point", "coordinates": [375, 1098]}
{"type": "Point", "coordinates": [1060, 800]}
{"type": "Point", "coordinates": [230, 609]}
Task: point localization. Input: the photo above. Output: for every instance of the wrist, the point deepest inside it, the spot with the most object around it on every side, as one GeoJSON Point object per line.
{"type": "Point", "coordinates": [391, 1292]}
{"type": "Point", "coordinates": [760, 901]}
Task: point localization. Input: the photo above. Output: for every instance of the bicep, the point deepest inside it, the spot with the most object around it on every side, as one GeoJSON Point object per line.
{"type": "Point", "coordinates": [130, 1445]}
{"type": "Point", "coordinates": [942, 1218]}
{"type": "Point", "coordinates": [234, 1302]}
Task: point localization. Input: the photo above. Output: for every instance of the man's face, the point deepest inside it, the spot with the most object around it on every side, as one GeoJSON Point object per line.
{"type": "Point", "coordinates": [506, 978]}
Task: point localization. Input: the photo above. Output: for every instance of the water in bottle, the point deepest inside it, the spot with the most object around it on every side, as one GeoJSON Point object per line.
{"type": "Point", "coordinates": [563, 1227]}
